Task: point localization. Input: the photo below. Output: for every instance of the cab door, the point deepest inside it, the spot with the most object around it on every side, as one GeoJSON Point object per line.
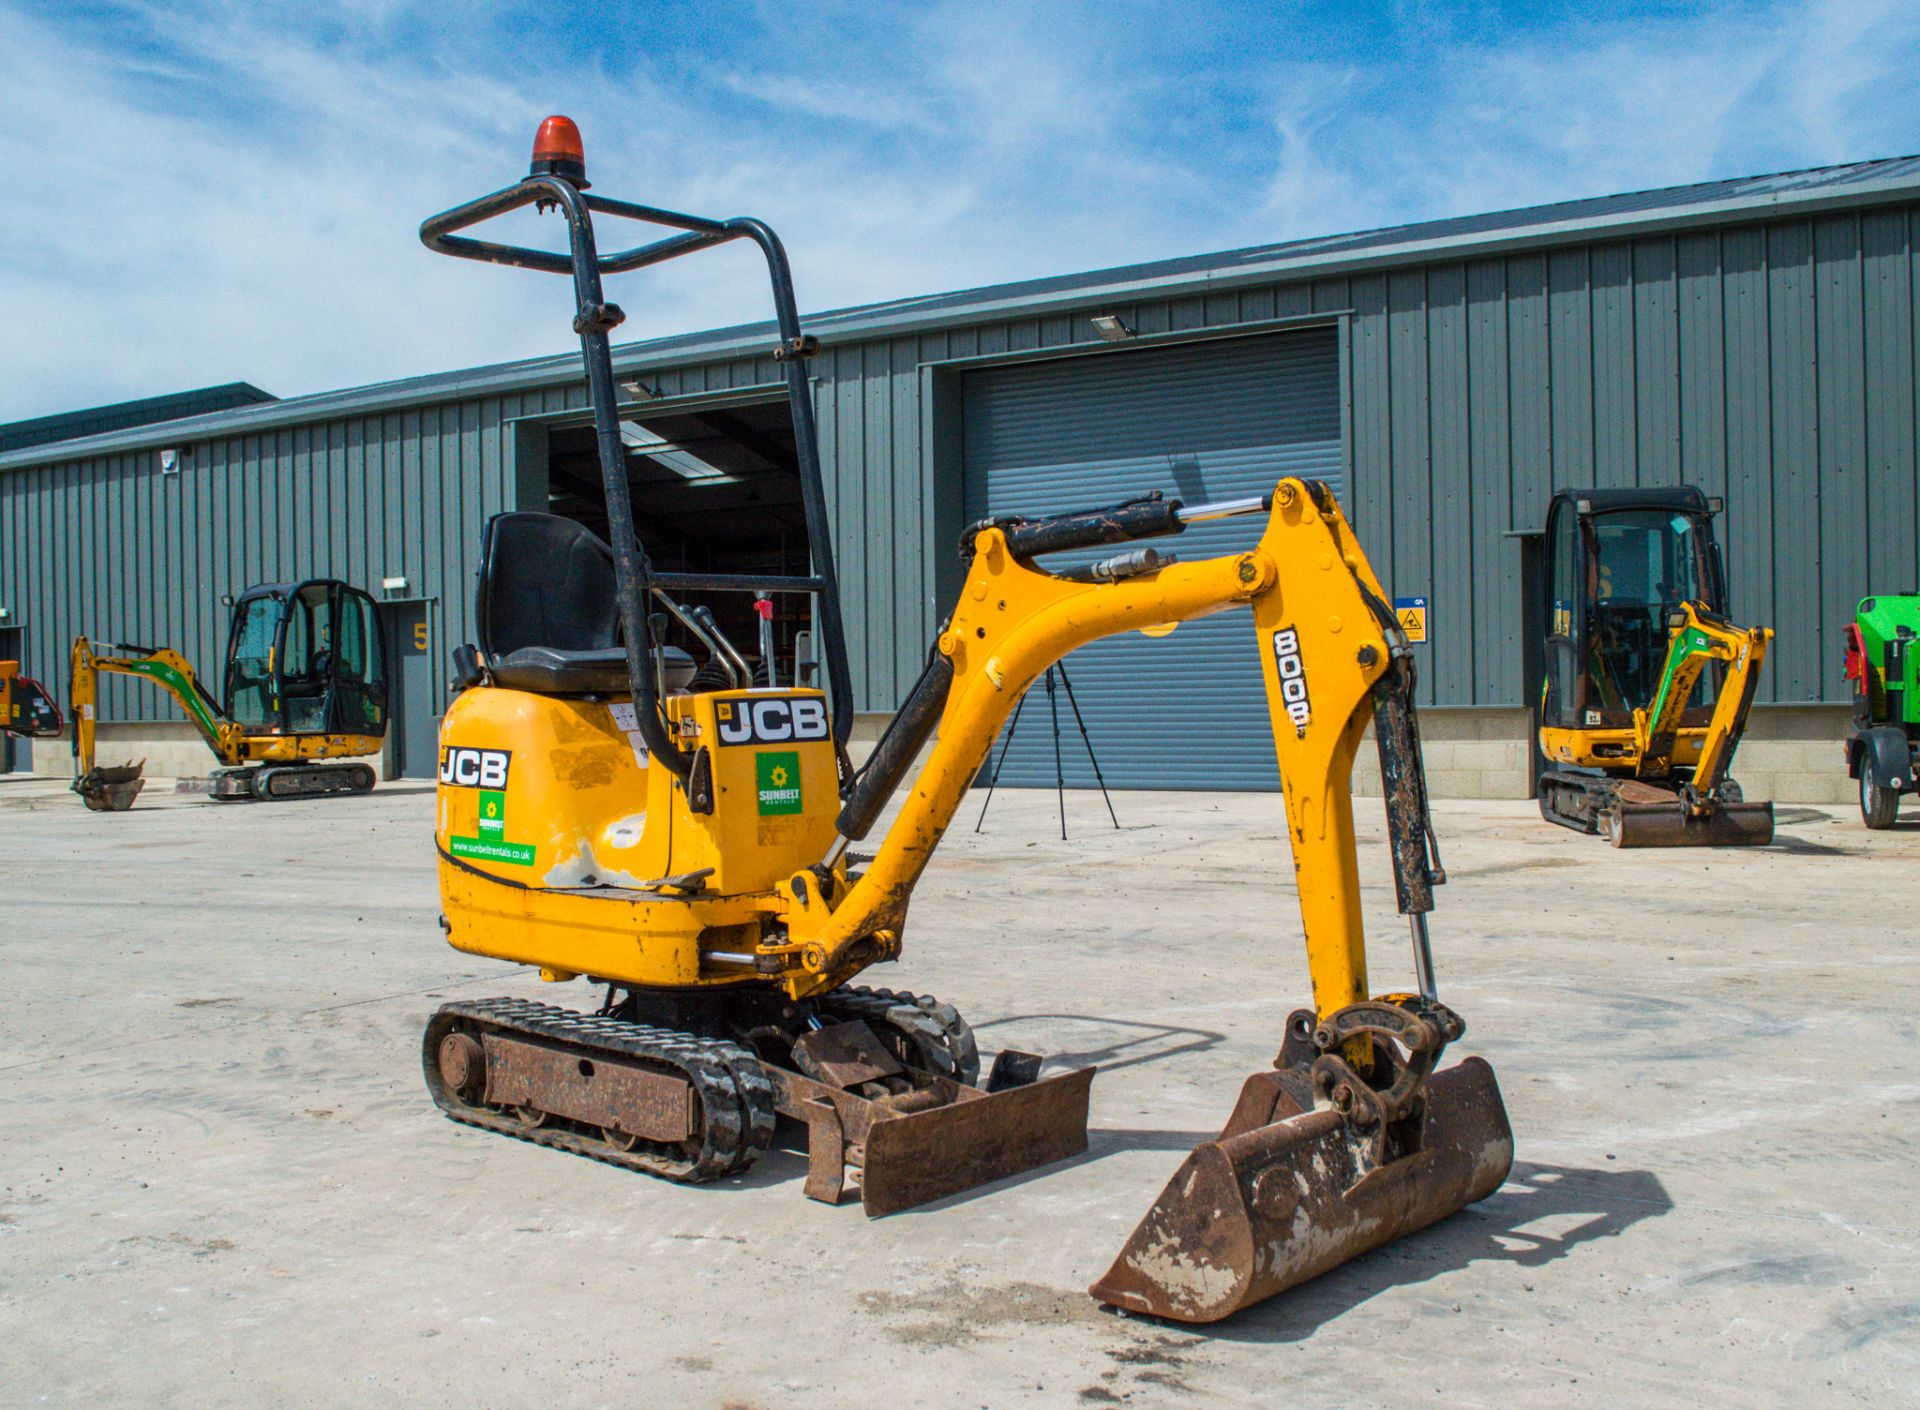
{"type": "Point", "coordinates": [248, 697]}
{"type": "Point", "coordinates": [1560, 701]}
{"type": "Point", "coordinates": [357, 702]}
{"type": "Point", "coordinates": [331, 669]}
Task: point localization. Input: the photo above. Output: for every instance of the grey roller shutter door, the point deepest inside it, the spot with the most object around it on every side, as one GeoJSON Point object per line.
{"type": "Point", "coordinates": [1201, 421]}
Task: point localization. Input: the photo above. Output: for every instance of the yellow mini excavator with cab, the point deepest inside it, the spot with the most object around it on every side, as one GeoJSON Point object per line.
{"type": "Point", "coordinates": [304, 683]}
{"type": "Point", "coordinates": [602, 814]}
{"type": "Point", "coordinates": [1648, 683]}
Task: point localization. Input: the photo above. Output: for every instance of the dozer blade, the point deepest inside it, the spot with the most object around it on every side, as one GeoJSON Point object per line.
{"type": "Point", "coordinates": [1265, 1209]}
{"type": "Point", "coordinates": [111, 789]}
{"type": "Point", "coordinates": [938, 1139]}
{"type": "Point", "coordinates": [928, 1155]}
{"type": "Point", "coordinates": [1669, 825]}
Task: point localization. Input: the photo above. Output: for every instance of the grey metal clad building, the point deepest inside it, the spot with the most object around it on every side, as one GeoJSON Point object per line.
{"type": "Point", "coordinates": [1755, 337]}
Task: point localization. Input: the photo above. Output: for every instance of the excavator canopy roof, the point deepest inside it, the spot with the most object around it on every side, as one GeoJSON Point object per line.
{"type": "Point", "coordinates": [1686, 499]}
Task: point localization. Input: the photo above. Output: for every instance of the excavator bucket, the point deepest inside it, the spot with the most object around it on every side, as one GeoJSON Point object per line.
{"type": "Point", "coordinates": [1290, 1191]}
{"type": "Point", "coordinates": [111, 789]}
{"type": "Point", "coordinates": [1645, 815]}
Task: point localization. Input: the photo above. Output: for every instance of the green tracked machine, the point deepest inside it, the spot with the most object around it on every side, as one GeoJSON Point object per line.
{"type": "Point", "coordinates": [1883, 662]}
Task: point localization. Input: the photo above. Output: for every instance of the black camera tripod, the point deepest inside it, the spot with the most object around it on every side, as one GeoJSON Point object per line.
{"type": "Point", "coordinates": [1059, 770]}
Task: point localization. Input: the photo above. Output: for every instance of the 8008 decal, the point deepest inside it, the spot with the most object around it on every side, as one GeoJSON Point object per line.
{"type": "Point", "coordinates": [1293, 678]}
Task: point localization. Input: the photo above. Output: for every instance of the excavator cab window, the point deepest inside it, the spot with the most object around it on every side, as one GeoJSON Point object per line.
{"type": "Point", "coordinates": [359, 699]}
{"type": "Point", "coordinates": [1640, 566]}
{"type": "Point", "coordinates": [249, 684]}
{"type": "Point", "coordinates": [307, 660]}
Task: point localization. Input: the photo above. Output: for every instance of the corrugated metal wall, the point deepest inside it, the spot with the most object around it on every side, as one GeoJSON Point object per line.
{"type": "Point", "coordinates": [1201, 422]}
{"type": "Point", "coordinates": [117, 550]}
{"type": "Point", "coordinates": [1771, 363]}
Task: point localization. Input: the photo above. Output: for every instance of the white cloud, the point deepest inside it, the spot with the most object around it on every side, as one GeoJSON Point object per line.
{"type": "Point", "coordinates": [235, 188]}
{"type": "Point", "coordinates": [1489, 123]}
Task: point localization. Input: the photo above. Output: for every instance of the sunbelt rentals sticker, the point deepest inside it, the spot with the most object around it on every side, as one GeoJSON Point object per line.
{"type": "Point", "coordinates": [777, 776]}
{"type": "Point", "coordinates": [484, 771]}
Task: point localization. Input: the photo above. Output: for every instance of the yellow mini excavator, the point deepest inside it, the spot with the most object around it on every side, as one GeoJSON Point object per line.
{"type": "Point", "coordinates": [27, 710]}
{"type": "Point", "coordinates": [601, 814]}
{"type": "Point", "coordinates": [304, 682]}
{"type": "Point", "coordinates": [1648, 683]}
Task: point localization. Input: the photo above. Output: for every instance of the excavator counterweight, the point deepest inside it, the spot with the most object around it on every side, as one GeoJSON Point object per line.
{"type": "Point", "coordinates": [27, 709]}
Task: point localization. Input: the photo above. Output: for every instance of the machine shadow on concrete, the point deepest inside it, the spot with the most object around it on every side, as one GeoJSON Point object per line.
{"type": "Point", "coordinates": [1499, 1229]}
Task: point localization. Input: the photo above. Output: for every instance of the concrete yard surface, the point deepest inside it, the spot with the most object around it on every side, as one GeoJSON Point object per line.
{"type": "Point", "coordinates": [223, 1184]}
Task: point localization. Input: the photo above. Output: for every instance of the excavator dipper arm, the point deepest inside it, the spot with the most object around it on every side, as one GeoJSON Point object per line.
{"type": "Point", "coordinates": [1660, 809]}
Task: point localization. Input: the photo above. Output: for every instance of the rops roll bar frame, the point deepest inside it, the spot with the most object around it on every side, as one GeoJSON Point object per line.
{"type": "Point", "coordinates": [594, 319]}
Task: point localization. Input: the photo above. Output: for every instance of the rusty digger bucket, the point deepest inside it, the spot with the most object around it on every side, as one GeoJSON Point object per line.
{"type": "Point", "coordinates": [111, 789]}
{"type": "Point", "coordinates": [1317, 1166]}
{"type": "Point", "coordinates": [1353, 1139]}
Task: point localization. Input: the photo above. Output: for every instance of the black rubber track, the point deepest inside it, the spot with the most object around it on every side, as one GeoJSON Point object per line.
{"type": "Point", "coordinates": [941, 1039]}
{"type": "Point", "coordinates": [735, 1095]}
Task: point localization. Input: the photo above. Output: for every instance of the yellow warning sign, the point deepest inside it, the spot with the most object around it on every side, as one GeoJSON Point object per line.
{"type": "Point", "coordinates": [1412, 615]}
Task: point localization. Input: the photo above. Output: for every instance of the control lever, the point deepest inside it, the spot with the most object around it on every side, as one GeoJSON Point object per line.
{"type": "Point", "coordinates": [763, 608]}
{"type": "Point", "coordinates": [699, 621]}
{"type": "Point", "coordinates": [736, 663]}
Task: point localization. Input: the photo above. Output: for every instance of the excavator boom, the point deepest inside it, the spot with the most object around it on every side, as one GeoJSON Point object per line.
{"type": "Point", "coordinates": [1707, 811]}
{"type": "Point", "coordinates": [1353, 1140]}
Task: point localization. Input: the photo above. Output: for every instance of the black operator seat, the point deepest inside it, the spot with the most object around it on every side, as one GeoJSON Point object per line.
{"type": "Point", "coordinates": [546, 611]}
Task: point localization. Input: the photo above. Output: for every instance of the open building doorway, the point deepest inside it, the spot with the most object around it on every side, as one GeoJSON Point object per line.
{"type": "Point", "coordinates": [16, 755]}
{"type": "Point", "coordinates": [715, 489]}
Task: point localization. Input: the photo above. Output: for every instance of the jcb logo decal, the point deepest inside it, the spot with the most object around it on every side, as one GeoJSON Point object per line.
{"type": "Point", "coordinates": [475, 768]}
{"type": "Point", "coordinates": [1293, 678]}
{"type": "Point", "coordinates": [775, 721]}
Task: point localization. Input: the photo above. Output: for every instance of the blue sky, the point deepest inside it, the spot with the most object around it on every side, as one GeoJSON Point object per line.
{"type": "Point", "coordinates": [207, 191]}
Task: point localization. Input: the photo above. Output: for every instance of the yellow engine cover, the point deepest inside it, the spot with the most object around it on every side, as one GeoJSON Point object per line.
{"type": "Point", "coordinates": [562, 845]}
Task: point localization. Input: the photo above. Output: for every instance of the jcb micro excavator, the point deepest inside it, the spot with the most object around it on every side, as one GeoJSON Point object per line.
{"type": "Point", "coordinates": [304, 682]}
{"type": "Point", "coordinates": [27, 710]}
{"type": "Point", "coordinates": [691, 849]}
{"type": "Point", "coordinates": [1648, 683]}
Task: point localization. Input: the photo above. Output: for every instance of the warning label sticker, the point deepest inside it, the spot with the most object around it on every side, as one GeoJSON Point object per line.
{"type": "Point", "coordinates": [1411, 613]}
